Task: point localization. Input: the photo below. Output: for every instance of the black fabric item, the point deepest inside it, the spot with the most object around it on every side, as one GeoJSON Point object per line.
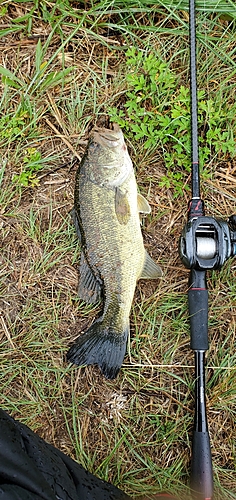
{"type": "Point", "coordinates": [14, 492]}
{"type": "Point", "coordinates": [31, 469]}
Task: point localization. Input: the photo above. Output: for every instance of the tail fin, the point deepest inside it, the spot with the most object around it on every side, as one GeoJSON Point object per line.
{"type": "Point", "coordinates": [102, 346]}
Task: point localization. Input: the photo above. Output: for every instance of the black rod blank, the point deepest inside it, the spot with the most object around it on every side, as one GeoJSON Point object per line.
{"type": "Point", "coordinates": [193, 100]}
{"type": "Point", "coordinates": [201, 466]}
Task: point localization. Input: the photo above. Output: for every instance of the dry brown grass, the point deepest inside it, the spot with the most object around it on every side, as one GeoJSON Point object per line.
{"type": "Point", "coordinates": [134, 431]}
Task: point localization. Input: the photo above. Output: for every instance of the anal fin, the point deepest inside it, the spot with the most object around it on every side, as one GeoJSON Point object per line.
{"type": "Point", "coordinates": [150, 270]}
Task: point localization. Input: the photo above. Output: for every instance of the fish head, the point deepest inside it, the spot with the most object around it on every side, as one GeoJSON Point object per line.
{"type": "Point", "coordinates": [108, 157]}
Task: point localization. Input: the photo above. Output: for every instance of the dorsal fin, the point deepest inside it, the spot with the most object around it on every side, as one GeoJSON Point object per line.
{"type": "Point", "coordinates": [143, 205]}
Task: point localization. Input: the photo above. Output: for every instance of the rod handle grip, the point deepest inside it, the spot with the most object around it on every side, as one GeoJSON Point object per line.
{"type": "Point", "coordinates": [198, 317]}
{"type": "Point", "coordinates": [201, 469]}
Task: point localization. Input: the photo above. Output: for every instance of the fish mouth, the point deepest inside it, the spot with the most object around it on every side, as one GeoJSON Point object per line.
{"type": "Point", "coordinates": [108, 137]}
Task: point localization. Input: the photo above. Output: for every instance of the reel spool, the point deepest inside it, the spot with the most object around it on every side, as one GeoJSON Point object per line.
{"type": "Point", "coordinates": [205, 248]}
{"type": "Point", "coordinates": [206, 243]}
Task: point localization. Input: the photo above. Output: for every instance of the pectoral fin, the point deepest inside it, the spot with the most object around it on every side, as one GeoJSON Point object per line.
{"type": "Point", "coordinates": [122, 206]}
{"type": "Point", "coordinates": [143, 205]}
{"type": "Point", "coordinates": [150, 269]}
{"type": "Point", "coordinates": [90, 289]}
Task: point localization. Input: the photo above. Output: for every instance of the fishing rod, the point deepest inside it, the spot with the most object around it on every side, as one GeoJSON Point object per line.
{"type": "Point", "coordinates": [205, 244]}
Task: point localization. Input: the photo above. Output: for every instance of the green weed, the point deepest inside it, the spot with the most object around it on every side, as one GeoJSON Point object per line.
{"type": "Point", "coordinates": [32, 164]}
{"type": "Point", "coordinates": [13, 125]}
{"type": "Point", "coordinates": [156, 112]}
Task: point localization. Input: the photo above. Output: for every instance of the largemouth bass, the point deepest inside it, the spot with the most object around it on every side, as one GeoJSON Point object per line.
{"type": "Point", "coordinates": [113, 257]}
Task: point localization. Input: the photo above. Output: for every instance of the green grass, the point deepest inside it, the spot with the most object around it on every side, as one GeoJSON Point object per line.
{"type": "Point", "coordinates": [70, 67]}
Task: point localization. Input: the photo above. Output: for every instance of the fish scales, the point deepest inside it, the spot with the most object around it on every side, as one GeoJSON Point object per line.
{"type": "Point", "coordinates": [115, 251]}
{"type": "Point", "coordinates": [106, 216]}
